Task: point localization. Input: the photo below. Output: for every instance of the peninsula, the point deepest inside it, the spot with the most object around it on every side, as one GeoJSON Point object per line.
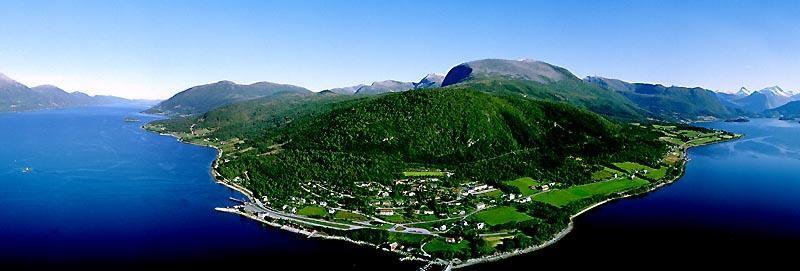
{"type": "Point", "coordinates": [454, 175]}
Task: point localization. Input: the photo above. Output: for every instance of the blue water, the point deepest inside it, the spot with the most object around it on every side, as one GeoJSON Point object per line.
{"type": "Point", "coordinates": [738, 202]}
{"type": "Point", "coordinates": [103, 191]}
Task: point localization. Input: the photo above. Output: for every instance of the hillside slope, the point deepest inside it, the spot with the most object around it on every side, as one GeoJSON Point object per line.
{"type": "Point", "coordinates": [671, 103]}
{"type": "Point", "coordinates": [201, 99]}
{"type": "Point", "coordinates": [539, 80]}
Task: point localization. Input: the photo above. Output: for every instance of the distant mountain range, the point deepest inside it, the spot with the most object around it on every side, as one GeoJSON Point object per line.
{"type": "Point", "coordinates": [15, 96]}
{"type": "Point", "coordinates": [761, 100]}
{"type": "Point", "coordinates": [527, 78]}
{"type": "Point", "coordinates": [676, 103]}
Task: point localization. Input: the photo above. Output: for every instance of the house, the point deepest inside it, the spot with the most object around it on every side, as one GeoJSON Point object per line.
{"type": "Point", "coordinates": [450, 240]}
{"type": "Point", "coordinates": [443, 227]}
{"type": "Point", "coordinates": [480, 206]}
{"type": "Point", "coordinates": [545, 187]}
{"type": "Point", "coordinates": [385, 211]}
{"type": "Point", "coordinates": [393, 246]}
{"type": "Point", "coordinates": [427, 212]}
{"type": "Point", "coordinates": [481, 225]}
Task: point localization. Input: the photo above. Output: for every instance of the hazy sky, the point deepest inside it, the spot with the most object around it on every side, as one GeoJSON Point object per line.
{"type": "Point", "coordinates": [153, 49]}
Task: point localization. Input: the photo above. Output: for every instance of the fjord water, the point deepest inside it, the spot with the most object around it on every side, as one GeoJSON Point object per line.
{"type": "Point", "coordinates": [738, 202]}
{"type": "Point", "coordinates": [101, 190]}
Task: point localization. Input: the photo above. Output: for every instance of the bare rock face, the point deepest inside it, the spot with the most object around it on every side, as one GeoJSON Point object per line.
{"type": "Point", "coordinates": [515, 69]}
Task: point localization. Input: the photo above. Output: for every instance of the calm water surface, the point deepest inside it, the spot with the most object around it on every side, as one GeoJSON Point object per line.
{"type": "Point", "coordinates": [738, 202]}
{"type": "Point", "coordinates": [103, 191]}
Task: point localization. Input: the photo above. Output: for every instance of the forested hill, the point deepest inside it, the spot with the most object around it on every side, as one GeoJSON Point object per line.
{"type": "Point", "coordinates": [201, 99]}
{"type": "Point", "coordinates": [480, 135]}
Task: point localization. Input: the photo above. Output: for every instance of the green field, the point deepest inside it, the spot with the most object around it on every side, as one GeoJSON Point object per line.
{"type": "Point", "coordinates": [350, 216]}
{"type": "Point", "coordinates": [395, 218]}
{"type": "Point", "coordinates": [407, 238]}
{"type": "Point", "coordinates": [565, 196]}
{"type": "Point", "coordinates": [312, 211]}
{"type": "Point", "coordinates": [605, 174]}
{"type": "Point", "coordinates": [672, 140]}
{"type": "Point", "coordinates": [501, 215]}
{"type": "Point", "coordinates": [493, 194]}
{"type": "Point", "coordinates": [438, 244]}
{"type": "Point", "coordinates": [656, 174]}
{"type": "Point", "coordinates": [523, 185]}
{"type": "Point", "coordinates": [423, 174]}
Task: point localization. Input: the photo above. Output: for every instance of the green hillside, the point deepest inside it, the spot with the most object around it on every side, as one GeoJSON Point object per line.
{"type": "Point", "coordinates": [669, 103]}
{"type": "Point", "coordinates": [480, 135]}
{"type": "Point", "coordinates": [447, 162]}
{"type": "Point", "coordinates": [201, 99]}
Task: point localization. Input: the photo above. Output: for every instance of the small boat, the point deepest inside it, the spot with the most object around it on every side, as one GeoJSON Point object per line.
{"type": "Point", "coordinates": [27, 170]}
{"type": "Point", "coordinates": [132, 120]}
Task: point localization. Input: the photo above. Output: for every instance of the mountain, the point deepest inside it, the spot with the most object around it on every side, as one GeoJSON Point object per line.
{"type": "Point", "coordinates": [381, 87]}
{"type": "Point", "coordinates": [539, 80]}
{"type": "Point", "coordinates": [743, 92]}
{"type": "Point", "coordinates": [756, 102]}
{"type": "Point", "coordinates": [430, 81]}
{"type": "Point", "coordinates": [201, 99]}
{"type": "Point", "coordinates": [372, 138]}
{"type": "Point", "coordinates": [346, 90]}
{"type": "Point", "coordinates": [776, 96]}
{"type": "Point", "coordinates": [790, 110]}
{"type": "Point", "coordinates": [673, 103]}
{"type": "Point", "coordinates": [767, 98]}
{"type": "Point", "coordinates": [15, 96]}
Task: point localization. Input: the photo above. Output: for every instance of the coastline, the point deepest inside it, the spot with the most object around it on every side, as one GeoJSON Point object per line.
{"type": "Point", "coordinates": [449, 265]}
{"type": "Point", "coordinates": [219, 179]}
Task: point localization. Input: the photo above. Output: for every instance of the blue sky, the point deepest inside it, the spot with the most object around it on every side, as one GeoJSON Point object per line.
{"type": "Point", "coordinates": [153, 49]}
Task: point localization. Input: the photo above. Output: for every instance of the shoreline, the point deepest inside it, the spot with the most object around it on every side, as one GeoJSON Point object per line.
{"type": "Point", "coordinates": [219, 179]}
{"type": "Point", "coordinates": [449, 265]}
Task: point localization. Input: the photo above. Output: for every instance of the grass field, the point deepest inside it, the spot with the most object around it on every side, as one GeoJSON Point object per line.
{"type": "Point", "coordinates": [523, 185]}
{"type": "Point", "coordinates": [439, 244]}
{"type": "Point", "coordinates": [406, 238]}
{"type": "Point", "coordinates": [656, 174]}
{"type": "Point", "coordinates": [395, 218]}
{"type": "Point", "coordinates": [565, 196]}
{"type": "Point", "coordinates": [312, 211]}
{"type": "Point", "coordinates": [496, 240]}
{"type": "Point", "coordinates": [350, 216]}
{"type": "Point", "coordinates": [500, 215]}
{"type": "Point", "coordinates": [672, 140]}
{"type": "Point", "coordinates": [493, 194]}
{"type": "Point", "coordinates": [605, 174]}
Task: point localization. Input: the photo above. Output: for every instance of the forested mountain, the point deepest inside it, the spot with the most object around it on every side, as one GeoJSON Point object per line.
{"type": "Point", "coordinates": [342, 138]}
{"type": "Point", "coordinates": [672, 103]}
{"type": "Point", "coordinates": [539, 80]}
{"type": "Point", "coordinates": [201, 99]}
{"type": "Point", "coordinates": [15, 96]}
